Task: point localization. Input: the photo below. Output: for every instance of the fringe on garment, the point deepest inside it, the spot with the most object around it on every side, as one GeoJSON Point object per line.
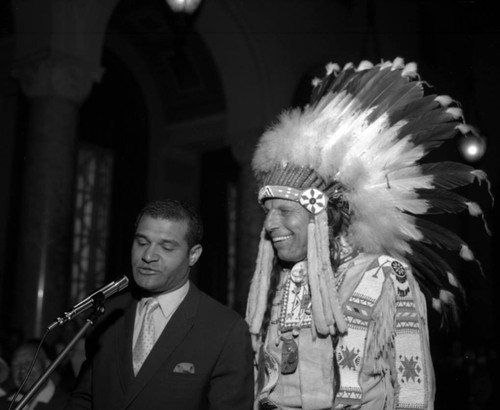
{"type": "Point", "coordinates": [381, 340]}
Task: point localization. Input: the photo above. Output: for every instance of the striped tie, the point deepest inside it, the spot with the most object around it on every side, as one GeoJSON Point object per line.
{"type": "Point", "coordinates": [146, 339]}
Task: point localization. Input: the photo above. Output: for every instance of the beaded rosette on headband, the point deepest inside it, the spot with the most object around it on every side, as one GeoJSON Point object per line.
{"type": "Point", "coordinates": [361, 141]}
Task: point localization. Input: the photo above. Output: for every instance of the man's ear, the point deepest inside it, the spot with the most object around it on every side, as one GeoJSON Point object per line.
{"type": "Point", "coordinates": [194, 254]}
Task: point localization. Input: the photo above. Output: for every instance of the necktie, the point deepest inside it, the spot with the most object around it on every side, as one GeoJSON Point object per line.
{"type": "Point", "coordinates": [145, 340]}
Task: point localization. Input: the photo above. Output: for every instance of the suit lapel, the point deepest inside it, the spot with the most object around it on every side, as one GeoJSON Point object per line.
{"type": "Point", "coordinates": [123, 340]}
{"type": "Point", "coordinates": [174, 333]}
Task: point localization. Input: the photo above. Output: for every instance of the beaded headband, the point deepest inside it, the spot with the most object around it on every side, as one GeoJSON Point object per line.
{"type": "Point", "coordinates": [312, 199]}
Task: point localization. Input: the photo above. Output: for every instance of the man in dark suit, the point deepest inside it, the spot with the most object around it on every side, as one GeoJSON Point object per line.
{"type": "Point", "coordinates": [200, 357]}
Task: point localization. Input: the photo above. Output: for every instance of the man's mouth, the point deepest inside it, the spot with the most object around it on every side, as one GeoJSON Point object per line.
{"type": "Point", "coordinates": [146, 271]}
{"type": "Point", "coordinates": [280, 238]}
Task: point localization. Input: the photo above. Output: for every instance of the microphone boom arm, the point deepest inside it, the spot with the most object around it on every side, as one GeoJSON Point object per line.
{"type": "Point", "coordinates": [100, 294]}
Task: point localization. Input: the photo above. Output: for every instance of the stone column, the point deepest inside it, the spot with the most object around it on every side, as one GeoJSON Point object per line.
{"type": "Point", "coordinates": [55, 85]}
{"type": "Point", "coordinates": [250, 217]}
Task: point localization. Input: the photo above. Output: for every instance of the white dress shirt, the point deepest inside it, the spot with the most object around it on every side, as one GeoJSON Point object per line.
{"type": "Point", "coordinates": [169, 302]}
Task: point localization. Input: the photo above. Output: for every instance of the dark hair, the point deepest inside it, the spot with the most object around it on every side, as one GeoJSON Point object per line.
{"type": "Point", "coordinates": [175, 210]}
{"type": "Point", "coordinates": [339, 217]}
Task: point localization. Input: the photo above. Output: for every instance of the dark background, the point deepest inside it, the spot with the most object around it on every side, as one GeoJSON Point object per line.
{"type": "Point", "coordinates": [178, 102]}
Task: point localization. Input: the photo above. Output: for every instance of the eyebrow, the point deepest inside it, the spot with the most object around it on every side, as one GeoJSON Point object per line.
{"type": "Point", "coordinates": [283, 206]}
{"type": "Point", "coordinates": [162, 242]}
{"type": "Point", "coordinates": [169, 242]}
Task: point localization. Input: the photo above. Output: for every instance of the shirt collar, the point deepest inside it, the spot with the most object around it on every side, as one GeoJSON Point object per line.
{"type": "Point", "coordinates": [168, 301]}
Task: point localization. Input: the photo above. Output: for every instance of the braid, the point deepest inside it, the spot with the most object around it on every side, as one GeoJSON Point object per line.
{"type": "Point", "coordinates": [338, 220]}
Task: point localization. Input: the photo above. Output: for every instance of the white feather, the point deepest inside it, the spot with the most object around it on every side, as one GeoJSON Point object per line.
{"type": "Point", "coordinates": [364, 65]}
{"type": "Point", "coordinates": [474, 209]}
{"type": "Point", "coordinates": [444, 100]}
{"type": "Point", "coordinates": [466, 129]}
{"type": "Point", "coordinates": [452, 279]}
{"type": "Point", "coordinates": [455, 112]}
{"type": "Point", "coordinates": [466, 253]}
{"type": "Point", "coordinates": [410, 70]}
{"type": "Point", "coordinates": [385, 65]}
{"type": "Point", "coordinates": [398, 64]}
{"type": "Point", "coordinates": [436, 305]}
{"type": "Point", "coordinates": [332, 67]}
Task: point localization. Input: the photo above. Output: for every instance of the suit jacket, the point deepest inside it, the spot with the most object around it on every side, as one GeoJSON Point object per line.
{"type": "Point", "coordinates": [202, 360]}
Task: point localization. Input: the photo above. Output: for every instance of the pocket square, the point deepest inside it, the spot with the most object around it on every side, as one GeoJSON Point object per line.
{"type": "Point", "coordinates": [184, 368]}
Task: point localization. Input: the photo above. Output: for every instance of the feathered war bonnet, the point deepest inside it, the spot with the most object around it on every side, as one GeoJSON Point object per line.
{"type": "Point", "coordinates": [360, 142]}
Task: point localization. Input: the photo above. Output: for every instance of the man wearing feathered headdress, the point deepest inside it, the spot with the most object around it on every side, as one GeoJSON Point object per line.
{"type": "Point", "coordinates": [336, 306]}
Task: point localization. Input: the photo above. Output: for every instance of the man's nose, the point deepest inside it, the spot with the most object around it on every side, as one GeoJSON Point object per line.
{"type": "Point", "coordinates": [150, 254]}
{"type": "Point", "coordinates": [272, 221]}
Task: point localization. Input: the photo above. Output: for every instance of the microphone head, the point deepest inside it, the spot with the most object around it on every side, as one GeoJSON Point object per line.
{"type": "Point", "coordinates": [97, 297]}
{"type": "Point", "coordinates": [122, 283]}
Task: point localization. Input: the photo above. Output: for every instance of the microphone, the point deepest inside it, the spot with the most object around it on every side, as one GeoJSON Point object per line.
{"type": "Point", "coordinates": [102, 293]}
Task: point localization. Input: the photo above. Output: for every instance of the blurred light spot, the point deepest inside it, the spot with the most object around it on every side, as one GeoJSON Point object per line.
{"type": "Point", "coordinates": [472, 147]}
{"type": "Point", "coordinates": [183, 6]}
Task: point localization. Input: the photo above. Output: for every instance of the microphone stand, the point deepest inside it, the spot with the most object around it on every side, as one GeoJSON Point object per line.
{"type": "Point", "coordinates": [98, 306]}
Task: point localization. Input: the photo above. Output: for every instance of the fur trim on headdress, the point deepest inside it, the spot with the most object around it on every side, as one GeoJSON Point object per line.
{"type": "Point", "coordinates": [259, 288]}
{"type": "Point", "coordinates": [326, 310]}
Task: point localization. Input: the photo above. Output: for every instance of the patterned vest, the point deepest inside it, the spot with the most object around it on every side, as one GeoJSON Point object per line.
{"type": "Point", "coordinates": [384, 358]}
